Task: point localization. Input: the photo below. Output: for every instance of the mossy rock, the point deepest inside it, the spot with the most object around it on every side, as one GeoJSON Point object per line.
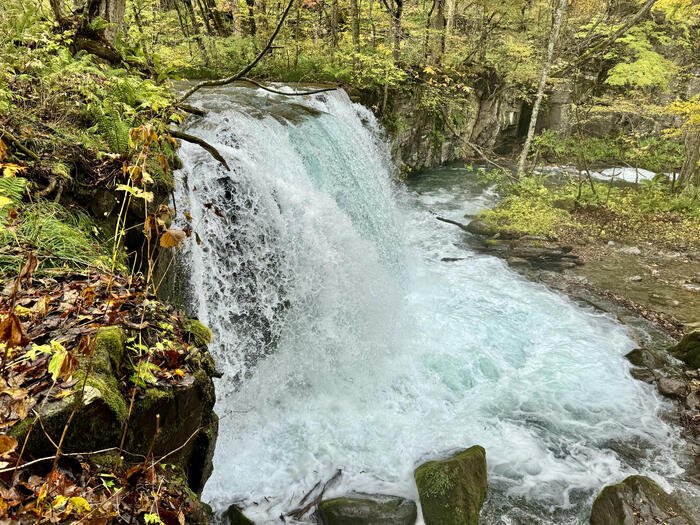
{"type": "Point", "coordinates": [637, 500]}
{"type": "Point", "coordinates": [370, 510]}
{"type": "Point", "coordinates": [109, 350]}
{"type": "Point", "coordinates": [97, 423]}
{"type": "Point", "coordinates": [688, 350]}
{"type": "Point", "coordinates": [479, 227]}
{"type": "Point", "coordinates": [453, 490]}
{"type": "Point", "coordinates": [200, 335]}
{"type": "Point", "coordinates": [235, 516]}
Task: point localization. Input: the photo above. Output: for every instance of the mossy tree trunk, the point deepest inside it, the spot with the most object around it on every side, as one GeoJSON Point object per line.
{"type": "Point", "coordinates": [690, 172]}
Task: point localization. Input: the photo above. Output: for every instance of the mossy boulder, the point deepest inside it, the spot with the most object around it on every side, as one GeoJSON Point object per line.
{"type": "Point", "coordinates": [453, 490]}
{"type": "Point", "coordinates": [200, 335]}
{"type": "Point", "coordinates": [688, 350]}
{"type": "Point", "coordinates": [637, 500]}
{"type": "Point", "coordinates": [235, 516]}
{"type": "Point", "coordinates": [183, 413]}
{"type": "Point", "coordinates": [368, 510]}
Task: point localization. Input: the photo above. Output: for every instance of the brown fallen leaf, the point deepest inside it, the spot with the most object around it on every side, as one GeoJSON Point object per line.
{"type": "Point", "coordinates": [8, 444]}
{"type": "Point", "coordinates": [12, 332]}
{"type": "Point", "coordinates": [172, 237]}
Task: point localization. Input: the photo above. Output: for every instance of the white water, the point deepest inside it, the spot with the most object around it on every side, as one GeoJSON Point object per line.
{"type": "Point", "coordinates": [347, 343]}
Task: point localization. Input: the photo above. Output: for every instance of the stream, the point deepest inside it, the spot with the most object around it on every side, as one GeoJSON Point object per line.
{"type": "Point", "coordinates": [356, 332]}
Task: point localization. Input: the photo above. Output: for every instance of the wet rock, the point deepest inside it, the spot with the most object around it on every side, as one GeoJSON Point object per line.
{"type": "Point", "coordinates": [453, 490]}
{"type": "Point", "coordinates": [630, 250]}
{"type": "Point", "coordinates": [688, 350]}
{"type": "Point", "coordinates": [478, 227]}
{"type": "Point", "coordinates": [635, 278]}
{"type": "Point", "coordinates": [235, 516]}
{"type": "Point", "coordinates": [368, 510]}
{"type": "Point", "coordinates": [693, 401]}
{"type": "Point", "coordinates": [637, 500]}
{"type": "Point", "coordinates": [672, 387]}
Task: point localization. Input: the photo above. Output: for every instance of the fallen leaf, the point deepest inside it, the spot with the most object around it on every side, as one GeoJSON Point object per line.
{"type": "Point", "coordinates": [7, 444]}
{"type": "Point", "coordinates": [41, 308]}
{"type": "Point", "coordinates": [11, 331]}
{"type": "Point", "coordinates": [3, 150]}
{"type": "Point", "coordinates": [171, 238]}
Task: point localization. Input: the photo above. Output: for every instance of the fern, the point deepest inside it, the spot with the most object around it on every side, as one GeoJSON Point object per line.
{"type": "Point", "coordinates": [114, 131]}
{"type": "Point", "coordinates": [13, 188]}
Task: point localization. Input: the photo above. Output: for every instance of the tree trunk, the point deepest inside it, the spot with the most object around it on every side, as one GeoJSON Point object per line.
{"type": "Point", "coordinates": [355, 15]}
{"type": "Point", "coordinates": [437, 30]}
{"type": "Point", "coordinates": [690, 172]}
{"type": "Point", "coordinates": [252, 27]}
{"type": "Point", "coordinates": [553, 36]}
{"type": "Point", "coordinates": [334, 28]}
{"type": "Point", "coordinates": [113, 12]}
{"type": "Point", "coordinates": [396, 29]}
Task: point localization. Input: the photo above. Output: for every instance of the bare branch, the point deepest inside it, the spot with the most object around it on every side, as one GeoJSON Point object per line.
{"type": "Point", "coordinates": [245, 70]}
{"type": "Point", "coordinates": [204, 144]}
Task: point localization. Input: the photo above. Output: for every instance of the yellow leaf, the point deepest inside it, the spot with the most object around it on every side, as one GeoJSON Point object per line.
{"type": "Point", "coordinates": [3, 150]}
{"type": "Point", "coordinates": [58, 501]}
{"type": "Point", "coordinates": [10, 170]}
{"type": "Point", "coordinates": [4, 201]}
{"type": "Point", "coordinates": [179, 372]}
{"type": "Point", "coordinates": [80, 504]}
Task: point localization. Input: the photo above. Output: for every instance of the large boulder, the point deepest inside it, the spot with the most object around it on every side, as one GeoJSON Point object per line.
{"type": "Point", "coordinates": [368, 510]}
{"type": "Point", "coordinates": [688, 350]}
{"type": "Point", "coordinates": [453, 490]}
{"type": "Point", "coordinates": [637, 501]}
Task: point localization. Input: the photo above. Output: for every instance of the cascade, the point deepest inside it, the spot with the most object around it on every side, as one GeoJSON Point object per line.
{"type": "Point", "coordinates": [346, 342]}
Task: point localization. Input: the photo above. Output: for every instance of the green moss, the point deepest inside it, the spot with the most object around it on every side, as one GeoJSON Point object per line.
{"type": "Point", "coordinates": [235, 516]}
{"type": "Point", "coordinates": [109, 389]}
{"type": "Point", "coordinates": [688, 349]}
{"type": "Point", "coordinates": [200, 334]}
{"type": "Point", "coordinates": [109, 350]}
{"type": "Point", "coordinates": [453, 490]}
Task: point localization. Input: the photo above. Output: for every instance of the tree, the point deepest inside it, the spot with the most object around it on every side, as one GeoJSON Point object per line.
{"type": "Point", "coordinates": [395, 9]}
{"type": "Point", "coordinates": [553, 36]}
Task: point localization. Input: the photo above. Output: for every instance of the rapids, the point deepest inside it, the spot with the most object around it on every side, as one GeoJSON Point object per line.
{"type": "Point", "coordinates": [346, 342]}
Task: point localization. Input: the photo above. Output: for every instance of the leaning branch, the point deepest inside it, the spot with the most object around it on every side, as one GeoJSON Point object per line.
{"type": "Point", "coordinates": [202, 143]}
{"type": "Point", "coordinates": [245, 70]}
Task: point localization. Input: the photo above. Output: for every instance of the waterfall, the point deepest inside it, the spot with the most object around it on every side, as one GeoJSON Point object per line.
{"type": "Point", "coordinates": [345, 342]}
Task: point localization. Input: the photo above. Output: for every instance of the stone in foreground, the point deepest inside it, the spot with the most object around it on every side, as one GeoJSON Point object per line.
{"type": "Point", "coordinates": [453, 490]}
{"type": "Point", "coordinates": [637, 500]}
{"type": "Point", "coordinates": [235, 516]}
{"type": "Point", "coordinates": [688, 350]}
{"type": "Point", "coordinates": [368, 510]}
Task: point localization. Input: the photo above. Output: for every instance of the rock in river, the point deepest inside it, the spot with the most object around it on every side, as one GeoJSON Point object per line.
{"type": "Point", "coordinates": [453, 490]}
{"type": "Point", "coordinates": [637, 500]}
{"type": "Point", "coordinates": [368, 510]}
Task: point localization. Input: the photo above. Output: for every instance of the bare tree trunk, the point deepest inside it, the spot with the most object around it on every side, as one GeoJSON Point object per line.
{"type": "Point", "coordinates": [553, 36]}
{"type": "Point", "coordinates": [252, 27]}
{"type": "Point", "coordinates": [451, 7]}
{"type": "Point", "coordinates": [195, 29]}
{"type": "Point", "coordinates": [690, 172]}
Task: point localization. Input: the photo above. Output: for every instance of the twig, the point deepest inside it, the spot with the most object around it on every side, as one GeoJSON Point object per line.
{"type": "Point", "coordinates": [298, 513]}
{"type": "Point", "coordinates": [245, 70]}
{"type": "Point", "coordinates": [202, 143]}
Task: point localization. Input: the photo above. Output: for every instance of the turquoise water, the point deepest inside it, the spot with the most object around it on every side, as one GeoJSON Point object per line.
{"type": "Point", "coordinates": [347, 342]}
